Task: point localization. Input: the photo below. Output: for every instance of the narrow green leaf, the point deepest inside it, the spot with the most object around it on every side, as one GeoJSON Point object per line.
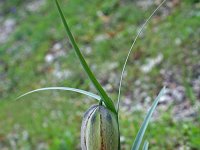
{"type": "Point", "coordinates": [108, 102]}
{"type": "Point", "coordinates": [146, 145]}
{"type": "Point", "coordinates": [140, 134]}
{"type": "Point", "coordinates": [65, 89]}
{"type": "Point", "coordinates": [131, 48]}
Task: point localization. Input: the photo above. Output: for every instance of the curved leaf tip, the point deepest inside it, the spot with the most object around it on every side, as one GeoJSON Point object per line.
{"type": "Point", "coordinates": [62, 88]}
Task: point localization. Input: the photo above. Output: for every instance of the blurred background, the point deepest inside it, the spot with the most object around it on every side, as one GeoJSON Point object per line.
{"type": "Point", "coordinates": [35, 52]}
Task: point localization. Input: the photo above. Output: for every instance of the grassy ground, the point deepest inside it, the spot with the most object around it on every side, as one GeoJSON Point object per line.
{"type": "Point", "coordinates": [38, 54]}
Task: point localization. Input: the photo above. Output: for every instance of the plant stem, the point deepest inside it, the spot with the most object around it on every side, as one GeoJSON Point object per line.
{"type": "Point", "coordinates": [119, 146]}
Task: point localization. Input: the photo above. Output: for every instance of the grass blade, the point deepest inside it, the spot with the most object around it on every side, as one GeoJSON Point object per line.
{"type": "Point", "coordinates": [130, 50]}
{"type": "Point", "coordinates": [146, 145]}
{"type": "Point", "coordinates": [139, 137]}
{"type": "Point", "coordinates": [108, 102]}
{"type": "Point", "coordinates": [65, 89]}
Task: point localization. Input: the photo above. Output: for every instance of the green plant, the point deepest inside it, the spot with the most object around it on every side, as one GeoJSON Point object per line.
{"type": "Point", "coordinates": [103, 98]}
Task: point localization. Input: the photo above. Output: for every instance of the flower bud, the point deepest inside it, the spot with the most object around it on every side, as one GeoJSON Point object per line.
{"type": "Point", "coordinates": [99, 129]}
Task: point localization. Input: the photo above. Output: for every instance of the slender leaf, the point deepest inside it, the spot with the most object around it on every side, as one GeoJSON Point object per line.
{"type": "Point", "coordinates": [65, 89]}
{"type": "Point", "coordinates": [108, 102]}
{"type": "Point", "coordinates": [146, 145]}
{"type": "Point", "coordinates": [131, 48]}
{"type": "Point", "coordinates": [139, 137]}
